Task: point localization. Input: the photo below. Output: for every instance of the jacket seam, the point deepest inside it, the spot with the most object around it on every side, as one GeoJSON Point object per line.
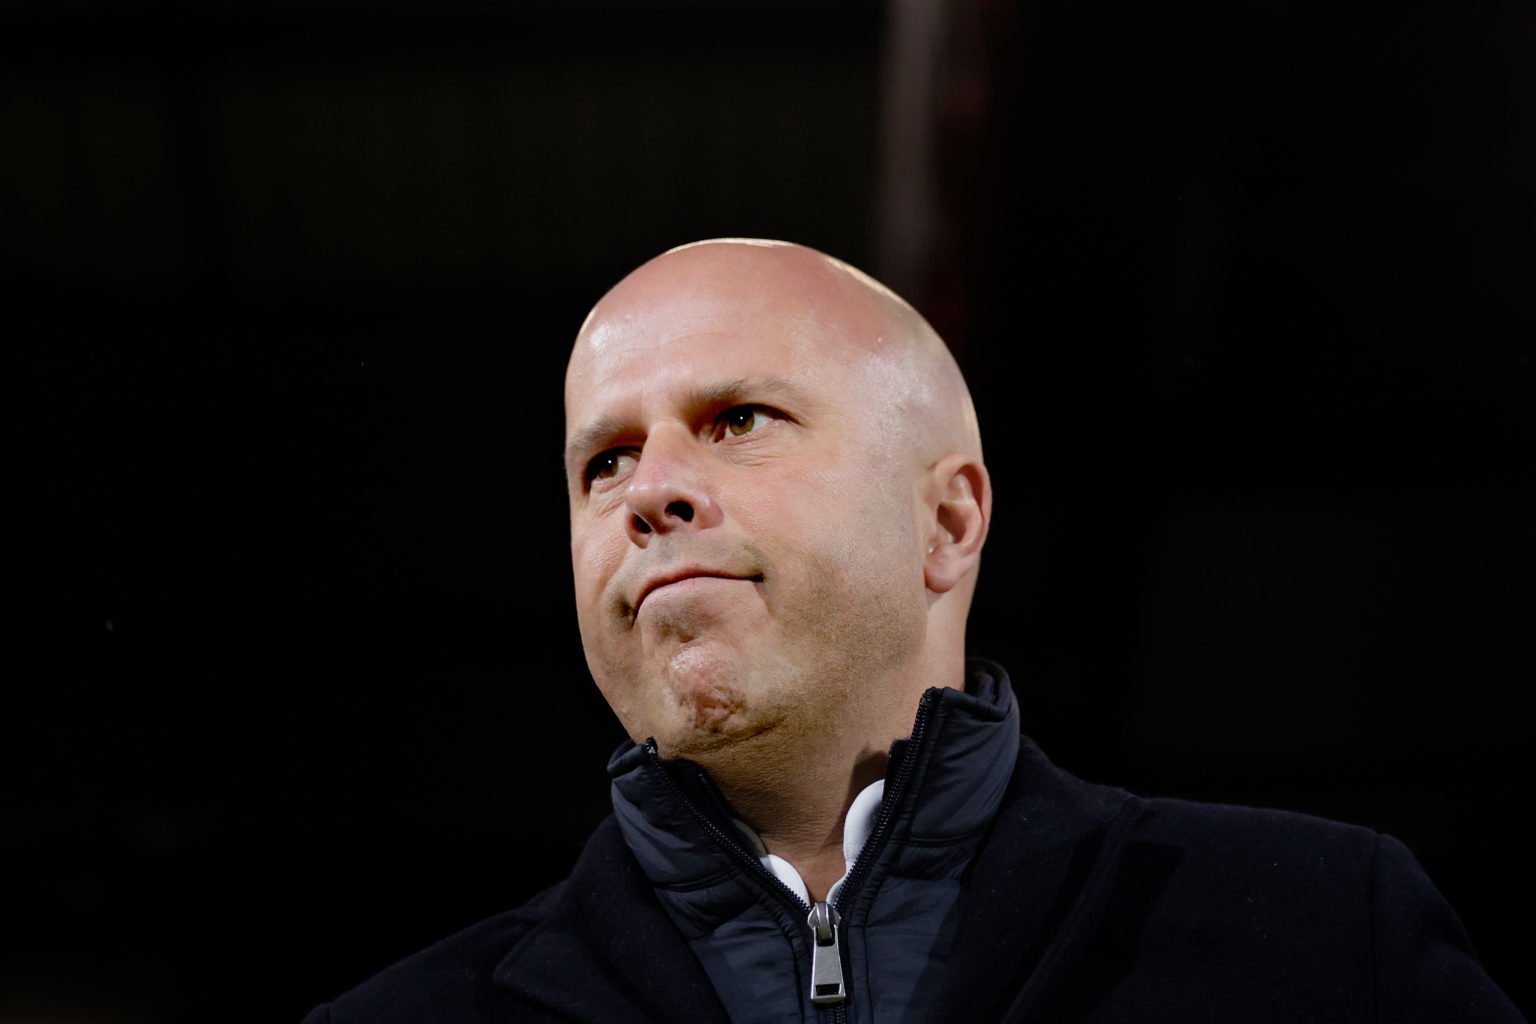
{"type": "Point", "coordinates": [946, 840]}
{"type": "Point", "coordinates": [696, 884]}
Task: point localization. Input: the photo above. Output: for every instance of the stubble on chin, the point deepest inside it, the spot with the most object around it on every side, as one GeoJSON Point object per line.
{"type": "Point", "coordinates": [709, 703]}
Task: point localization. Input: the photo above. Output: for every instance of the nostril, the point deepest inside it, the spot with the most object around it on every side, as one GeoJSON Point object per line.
{"type": "Point", "coordinates": [641, 526]}
{"type": "Point", "coordinates": [680, 510]}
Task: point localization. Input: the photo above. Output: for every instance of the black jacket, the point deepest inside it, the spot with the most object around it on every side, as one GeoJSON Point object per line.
{"type": "Point", "coordinates": [1083, 903]}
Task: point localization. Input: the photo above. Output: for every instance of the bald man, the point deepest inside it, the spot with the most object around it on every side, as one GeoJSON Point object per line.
{"type": "Point", "coordinates": [826, 813]}
{"type": "Point", "coordinates": [777, 509]}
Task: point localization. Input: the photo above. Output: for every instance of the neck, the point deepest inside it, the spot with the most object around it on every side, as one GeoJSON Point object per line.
{"type": "Point", "coordinates": [794, 784]}
{"type": "Point", "coordinates": [795, 794]}
{"type": "Point", "coordinates": [803, 822]}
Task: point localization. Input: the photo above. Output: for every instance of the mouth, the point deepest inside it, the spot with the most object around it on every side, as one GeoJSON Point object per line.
{"type": "Point", "coordinates": [656, 583]}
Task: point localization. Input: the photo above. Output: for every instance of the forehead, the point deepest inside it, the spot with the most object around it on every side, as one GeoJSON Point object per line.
{"type": "Point", "coordinates": [690, 322]}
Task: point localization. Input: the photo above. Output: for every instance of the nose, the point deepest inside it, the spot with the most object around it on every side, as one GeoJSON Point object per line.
{"type": "Point", "coordinates": [670, 490]}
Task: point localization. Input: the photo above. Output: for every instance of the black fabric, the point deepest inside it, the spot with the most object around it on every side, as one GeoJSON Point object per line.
{"type": "Point", "coordinates": [1084, 903]}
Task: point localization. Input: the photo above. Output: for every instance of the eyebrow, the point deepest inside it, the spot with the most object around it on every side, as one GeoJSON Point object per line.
{"type": "Point", "coordinates": [600, 431]}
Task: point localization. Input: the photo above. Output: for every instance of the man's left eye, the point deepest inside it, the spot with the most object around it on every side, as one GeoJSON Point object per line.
{"type": "Point", "coordinates": [743, 419]}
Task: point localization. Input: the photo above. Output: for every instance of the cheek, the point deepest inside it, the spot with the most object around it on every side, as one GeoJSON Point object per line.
{"type": "Point", "coordinates": [865, 514]}
{"type": "Point", "coordinates": [837, 530]}
{"type": "Point", "coordinates": [595, 555]}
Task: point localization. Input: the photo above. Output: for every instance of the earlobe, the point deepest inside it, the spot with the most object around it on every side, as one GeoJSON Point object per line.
{"type": "Point", "coordinates": [961, 498]}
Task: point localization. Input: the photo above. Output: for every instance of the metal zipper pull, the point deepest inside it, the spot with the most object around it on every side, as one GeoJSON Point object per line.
{"type": "Point", "coordinates": [826, 958]}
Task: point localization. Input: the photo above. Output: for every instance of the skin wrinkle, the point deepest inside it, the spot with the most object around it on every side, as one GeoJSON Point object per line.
{"type": "Point", "coordinates": [790, 686]}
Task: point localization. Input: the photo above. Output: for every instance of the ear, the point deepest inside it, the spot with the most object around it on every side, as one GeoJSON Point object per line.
{"type": "Point", "coordinates": [960, 496]}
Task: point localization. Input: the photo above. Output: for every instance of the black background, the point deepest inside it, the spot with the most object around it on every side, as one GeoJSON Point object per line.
{"type": "Point", "coordinates": [292, 684]}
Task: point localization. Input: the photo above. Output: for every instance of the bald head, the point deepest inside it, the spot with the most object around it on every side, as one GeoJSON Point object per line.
{"type": "Point", "coordinates": [821, 303]}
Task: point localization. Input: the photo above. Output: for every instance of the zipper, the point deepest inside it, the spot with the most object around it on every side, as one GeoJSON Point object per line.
{"type": "Point", "coordinates": [828, 987]}
{"type": "Point", "coordinates": [894, 791]}
{"type": "Point", "coordinates": [826, 958]}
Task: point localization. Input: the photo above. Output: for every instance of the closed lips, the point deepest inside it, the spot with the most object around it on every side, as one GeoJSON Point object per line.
{"type": "Point", "coordinates": [689, 574]}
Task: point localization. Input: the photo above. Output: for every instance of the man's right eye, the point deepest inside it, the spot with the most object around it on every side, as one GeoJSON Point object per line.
{"type": "Point", "coordinates": [610, 465]}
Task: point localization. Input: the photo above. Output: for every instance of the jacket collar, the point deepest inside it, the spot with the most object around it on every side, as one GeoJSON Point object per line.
{"type": "Point", "coordinates": [959, 771]}
{"type": "Point", "coordinates": [607, 949]}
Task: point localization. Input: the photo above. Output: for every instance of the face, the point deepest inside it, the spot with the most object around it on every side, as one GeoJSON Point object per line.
{"type": "Point", "coordinates": [744, 518]}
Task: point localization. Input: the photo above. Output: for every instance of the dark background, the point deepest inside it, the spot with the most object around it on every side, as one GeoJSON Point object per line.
{"type": "Point", "coordinates": [291, 680]}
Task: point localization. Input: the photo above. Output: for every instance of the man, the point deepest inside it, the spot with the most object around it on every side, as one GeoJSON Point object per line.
{"type": "Point", "coordinates": [778, 505]}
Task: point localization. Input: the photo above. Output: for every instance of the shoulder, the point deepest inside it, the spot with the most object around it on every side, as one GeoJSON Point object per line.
{"type": "Point", "coordinates": [456, 979]}
{"type": "Point", "coordinates": [1326, 915]}
{"type": "Point", "coordinates": [1298, 856]}
{"type": "Point", "coordinates": [558, 956]}
{"type": "Point", "coordinates": [1260, 842]}
{"type": "Point", "coordinates": [1253, 877]}
{"type": "Point", "coordinates": [449, 980]}
{"type": "Point", "coordinates": [1324, 920]}
{"type": "Point", "coordinates": [1205, 836]}
{"type": "Point", "coordinates": [1176, 861]}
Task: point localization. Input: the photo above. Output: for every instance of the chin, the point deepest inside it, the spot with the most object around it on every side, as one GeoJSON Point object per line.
{"type": "Point", "coordinates": [704, 705]}
{"type": "Point", "coordinates": [707, 691]}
